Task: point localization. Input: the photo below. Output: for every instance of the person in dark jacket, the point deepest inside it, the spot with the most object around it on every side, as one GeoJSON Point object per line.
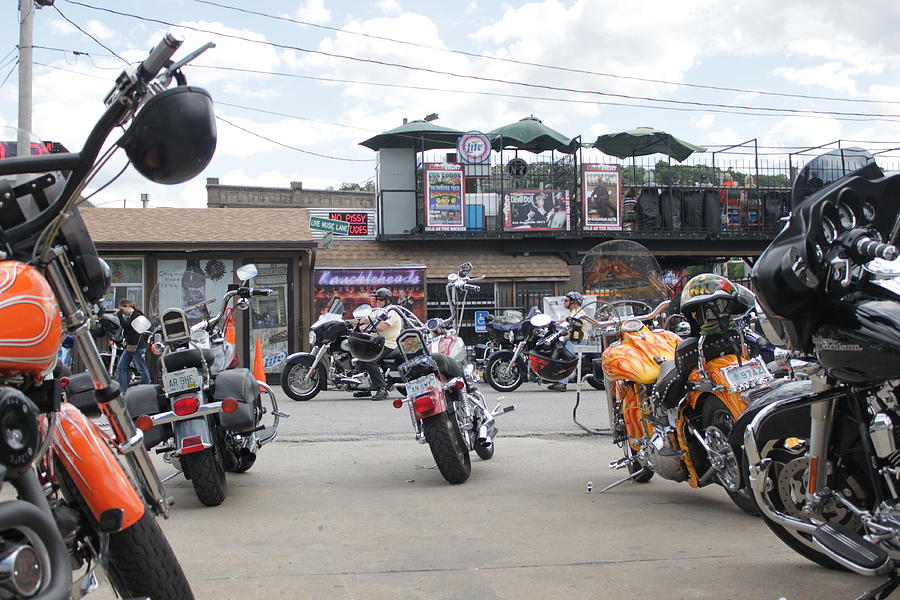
{"type": "Point", "coordinates": [135, 345]}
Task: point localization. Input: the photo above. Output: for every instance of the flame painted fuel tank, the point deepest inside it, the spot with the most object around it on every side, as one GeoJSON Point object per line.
{"type": "Point", "coordinates": [30, 325]}
{"type": "Point", "coordinates": [638, 355]}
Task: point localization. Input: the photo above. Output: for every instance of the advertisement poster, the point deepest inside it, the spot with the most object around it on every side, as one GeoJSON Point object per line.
{"type": "Point", "coordinates": [602, 196]}
{"type": "Point", "coordinates": [356, 286]}
{"type": "Point", "coordinates": [182, 283]}
{"type": "Point", "coordinates": [444, 197]}
{"type": "Point", "coordinates": [536, 210]}
{"type": "Point", "coordinates": [269, 315]}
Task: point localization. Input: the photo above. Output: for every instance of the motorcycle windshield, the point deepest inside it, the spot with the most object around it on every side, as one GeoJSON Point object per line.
{"type": "Point", "coordinates": [827, 168]}
{"type": "Point", "coordinates": [626, 275]}
{"type": "Point", "coordinates": [185, 285]}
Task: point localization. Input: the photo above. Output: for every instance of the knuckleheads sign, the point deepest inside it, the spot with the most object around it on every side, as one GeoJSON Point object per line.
{"type": "Point", "coordinates": [474, 148]}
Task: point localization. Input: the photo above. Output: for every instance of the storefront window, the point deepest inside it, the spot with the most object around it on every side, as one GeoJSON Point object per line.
{"type": "Point", "coordinates": [127, 282]}
{"type": "Point", "coordinates": [269, 315]}
{"type": "Point", "coordinates": [531, 293]}
{"type": "Point", "coordinates": [183, 283]}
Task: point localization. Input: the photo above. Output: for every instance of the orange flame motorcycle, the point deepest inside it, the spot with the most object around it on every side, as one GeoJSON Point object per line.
{"type": "Point", "coordinates": [672, 401]}
{"type": "Point", "coordinates": [86, 498]}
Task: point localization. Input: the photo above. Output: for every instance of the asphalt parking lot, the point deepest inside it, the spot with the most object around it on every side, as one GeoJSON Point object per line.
{"type": "Point", "coordinates": [346, 505]}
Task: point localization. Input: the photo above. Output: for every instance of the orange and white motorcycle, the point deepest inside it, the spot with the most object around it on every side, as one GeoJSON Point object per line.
{"type": "Point", "coordinates": [672, 401]}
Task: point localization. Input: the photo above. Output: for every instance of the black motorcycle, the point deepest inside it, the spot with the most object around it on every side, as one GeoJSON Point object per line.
{"type": "Point", "coordinates": [823, 452]}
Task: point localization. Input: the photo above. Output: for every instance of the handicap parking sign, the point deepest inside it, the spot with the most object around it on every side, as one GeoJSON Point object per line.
{"type": "Point", "coordinates": [481, 321]}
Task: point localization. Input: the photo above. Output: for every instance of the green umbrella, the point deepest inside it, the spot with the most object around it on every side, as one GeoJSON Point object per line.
{"type": "Point", "coordinates": [532, 135]}
{"type": "Point", "coordinates": [418, 134]}
{"type": "Point", "coordinates": [643, 141]}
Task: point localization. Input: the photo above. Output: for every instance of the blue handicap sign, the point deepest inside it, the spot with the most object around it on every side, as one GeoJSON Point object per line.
{"type": "Point", "coordinates": [481, 321]}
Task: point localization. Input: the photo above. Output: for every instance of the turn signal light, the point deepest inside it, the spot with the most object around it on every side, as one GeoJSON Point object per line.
{"type": "Point", "coordinates": [64, 381]}
{"type": "Point", "coordinates": [144, 423]}
{"type": "Point", "coordinates": [423, 405]}
{"type": "Point", "coordinates": [187, 405]}
{"type": "Point", "coordinates": [459, 384]}
{"type": "Point", "coordinates": [229, 405]}
{"type": "Point", "coordinates": [398, 403]}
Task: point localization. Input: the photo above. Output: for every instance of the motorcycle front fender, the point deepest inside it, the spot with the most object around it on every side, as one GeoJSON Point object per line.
{"type": "Point", "coordinates": [101, 480]}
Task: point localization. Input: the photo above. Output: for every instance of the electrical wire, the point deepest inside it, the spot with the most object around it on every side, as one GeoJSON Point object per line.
{"type": "Point", "coordinates": [277, 143]}
{"type": "Point", "coordinates": [78, 27]}
{"type": "Point", "coordinates": [475, 77]}
{"type": "Point", "coordinates": [8, 73]}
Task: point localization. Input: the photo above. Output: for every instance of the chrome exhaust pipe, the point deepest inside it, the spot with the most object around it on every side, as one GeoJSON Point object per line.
{"type": "Point", "coordinates": [486, 435]}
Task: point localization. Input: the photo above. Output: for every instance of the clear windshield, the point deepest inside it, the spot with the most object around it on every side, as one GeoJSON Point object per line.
{"type": "Point", "coordinates": [828, 168]}
{"type": "Point", "coordinates": [624, 274]}
{"type": "Point", "coordinates": [186, 284]}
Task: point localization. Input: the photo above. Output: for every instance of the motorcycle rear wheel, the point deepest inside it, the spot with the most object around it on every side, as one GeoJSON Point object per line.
{"type": "Point", "coordinates": [502, 375]}
{"type": "Point", "coordinates": [447, 447]}
{"type": "Point", "coordinates": [593, 382]}
{"type": "Point", "coordinates": [292, 377]}
{"type": "Point", "coordinates": [716, 414]}
{"type": "Point", "coordinates": [207, 474]}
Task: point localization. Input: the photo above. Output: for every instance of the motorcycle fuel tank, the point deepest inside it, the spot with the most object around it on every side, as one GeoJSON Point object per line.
{"type": "Point", "coordinates": [638, 355]}
{"type": "Point", "coordinates": [860, 341]}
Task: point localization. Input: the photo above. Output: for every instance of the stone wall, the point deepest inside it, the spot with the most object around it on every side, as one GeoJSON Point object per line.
{"type": "Point", "coordinates": [238, 196]}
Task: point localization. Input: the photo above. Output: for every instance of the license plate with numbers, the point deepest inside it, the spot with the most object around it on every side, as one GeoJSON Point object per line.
{"type": "Point", "coordinates": [181, 381]}
{"type": "Point", "coordinates": [422, 386]}
{"type": "Point", "coordinates": [750, 374]}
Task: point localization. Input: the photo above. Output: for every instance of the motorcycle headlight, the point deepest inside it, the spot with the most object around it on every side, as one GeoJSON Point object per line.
{"type": "Point", "coordinates": [510, 335]}
{"type": "Point", "coordinates": [312, 338]}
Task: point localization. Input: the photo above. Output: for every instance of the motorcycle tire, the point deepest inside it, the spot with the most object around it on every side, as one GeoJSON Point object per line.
{"type": "Point", "coordinates": [207, 475]}
{"type": "Point", "coordinates": [447, 447]}
{"type": "Point", "coordinates": [594, 383]}
{"type": "Point", "coordinates": [484, 453]}
{"type": "Point", "coordinates": [502, 382]}
{"type": "Point", "coordinates": [141, 561]}
{"type": "Point", "coordinates": [716, 414]}
{"type": "Point", "coordinates": [293, 375]}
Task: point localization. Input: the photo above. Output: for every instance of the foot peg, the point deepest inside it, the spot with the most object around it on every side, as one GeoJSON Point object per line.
{"type": "Point", "coordinates": [851, 549]}
{"type": "Point", "coordinates": [619, 463]}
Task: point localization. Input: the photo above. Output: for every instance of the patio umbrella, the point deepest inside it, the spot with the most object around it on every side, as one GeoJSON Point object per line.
{"type": "Point", "coordinates": [532, 135]}
{"type": "Point", "coordinates": [418, 134]}
{"type": "Point", "coordinates": [643, 141]}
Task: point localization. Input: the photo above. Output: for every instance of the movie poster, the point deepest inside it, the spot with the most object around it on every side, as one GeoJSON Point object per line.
{"type": "Point", "coordinates": [602, 196]}
{"type": "Point", "coordinates": [536, 210]}
{"type": "Point", "coordinates": [444, 205]}
{"type": "Point", "coordinates": [357, 286]}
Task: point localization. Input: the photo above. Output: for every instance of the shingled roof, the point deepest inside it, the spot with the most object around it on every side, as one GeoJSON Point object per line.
{"type": "Point", "coordinates": [178, 228]}
{"type": "Point", "coordinates": [444, 257]}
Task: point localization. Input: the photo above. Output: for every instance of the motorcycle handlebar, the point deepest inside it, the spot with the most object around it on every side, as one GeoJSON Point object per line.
{"type": "Point", "coordinates": [261, 291]}
{"type": "Point", "coordinates": [158, 57]}
{"type": "Point", "coordinates": [649, 316]}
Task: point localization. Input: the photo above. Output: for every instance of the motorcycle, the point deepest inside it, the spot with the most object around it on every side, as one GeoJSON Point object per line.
{"type": "Point", "coordinates": [107, 325]}
{"type": "Point", "coordinates": [508, 368]}
{"type": "Point", "coordinates": [441, 391]}
{"type": "Point", "coordinates": [207, 414]}
{"type": "Point", "coordinates": [821, 452]}
{"type": "Point", "coordinates": [672, 401]}
{"type": "Point", "coordinates": [79, 506]}
{"type": "Point", "coordinates": [329, 365]}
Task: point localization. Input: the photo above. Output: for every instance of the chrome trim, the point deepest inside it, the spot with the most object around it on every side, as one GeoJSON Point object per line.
{"type": "Point", "coordinates": [170, 416]}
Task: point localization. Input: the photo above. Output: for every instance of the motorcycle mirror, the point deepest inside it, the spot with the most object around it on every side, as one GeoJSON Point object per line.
{"type": "Point", "coordinates": [433, 324]}
{"type": "Point", "coordinates": [362, 311]}
{"type": "Point", "coordinates": [452, 277]}
{"type": "Point", "coordinates": [247, 272]}
{"type": "Point", "coordinates": [141, 324]}
{"type": "Point", "coordinates": [541, 320]}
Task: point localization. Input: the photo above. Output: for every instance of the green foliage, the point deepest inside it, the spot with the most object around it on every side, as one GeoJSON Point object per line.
{"type": "Point", "coordinates": [368, 186]}
{"type": "Point", "coordinates": [666, 174]}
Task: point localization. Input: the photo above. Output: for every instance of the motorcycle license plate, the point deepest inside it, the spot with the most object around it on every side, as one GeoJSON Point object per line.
{"type": "Point", "coordinates": [422, 386]}
{"type": "Point", "coordinates": [748, 375]}
{"type": "Point", "coordinates": [180, 381]}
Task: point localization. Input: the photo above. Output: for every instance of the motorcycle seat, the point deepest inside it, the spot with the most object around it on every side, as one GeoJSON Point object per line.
{"type": "Point", "coordinates": [188, 357]}
{"type": "Point", "coordinates": [673, 374]}
{"type": "Point", "coordinates": [448, 367]}
{"type": "Point", "coordinates": [502, 327]}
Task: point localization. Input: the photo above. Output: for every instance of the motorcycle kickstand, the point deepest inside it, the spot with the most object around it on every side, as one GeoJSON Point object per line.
{"type": "Point", "coordinates": [883, 590]}
{"type": "Point", "coordinates": [634, 475]}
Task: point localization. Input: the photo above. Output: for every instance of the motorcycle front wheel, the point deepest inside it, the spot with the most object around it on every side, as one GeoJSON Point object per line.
{"type": "Point", "coordinates": [717, 425]}
{"type": "Point", "coordinates": [502, 374]}
{"type": "Point", "coordinates": [447, 447]}
{"type": "Point", "coordinates": [292, 379]}
{"type": "Point", "coordinates": [207, 475]}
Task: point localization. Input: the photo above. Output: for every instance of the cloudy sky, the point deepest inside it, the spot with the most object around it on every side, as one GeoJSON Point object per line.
{"type": "Point", "coordinates": [299, 83]}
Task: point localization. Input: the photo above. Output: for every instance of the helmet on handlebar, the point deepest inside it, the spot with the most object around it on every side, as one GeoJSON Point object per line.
{"type": "Point", "coordinates": [554, 365]}
{"type": "Point", "coordinates": [711, 301]}
{"type": "Point", "coordinates": [575, 297]}
{"type": "Point", "coordinates": [367, 347]}
{"type": "Point", "coordinates": [384, 294]}
{"type": "Point", "coordinates": [173, 137]}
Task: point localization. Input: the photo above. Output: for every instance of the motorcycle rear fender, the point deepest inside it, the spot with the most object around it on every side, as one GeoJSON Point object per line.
{"type": "Point", "coordinates": [440, 405]}
{"type": "Point", "coordinates": [792, 423]}
{"type": "Point", "coordinates": [186, 434]}
{"type": "Point", "coordinates": [101, 480]}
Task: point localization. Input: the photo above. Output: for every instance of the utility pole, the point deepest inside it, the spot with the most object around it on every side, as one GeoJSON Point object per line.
{"type": "Point", "coordinates": [26, 39]}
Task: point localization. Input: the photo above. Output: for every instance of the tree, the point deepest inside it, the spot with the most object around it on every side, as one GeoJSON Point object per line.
{"type": "Point", "coordinates": [368, 186]}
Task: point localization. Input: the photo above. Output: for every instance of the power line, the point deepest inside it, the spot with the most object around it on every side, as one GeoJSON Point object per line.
{"type": "Point", "coordinates": [78, 27]}
{"type": "Point", "coordinates": [541, 65]}
{"type": "Point", "coordinates": [477, 77]}
{"type": "Point", "coordinates": [289, 146]}
{"type": "Point", "coordinates": [299, 118]}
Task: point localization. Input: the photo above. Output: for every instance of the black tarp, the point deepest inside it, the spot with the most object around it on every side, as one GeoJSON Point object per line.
{"type": "Point", "coordinates": [648, 208]}
{"type": "Point", "coordinates": [692, 208]}
{"type": "Point", "coordinates": [670, 209]}
{"type": "Point", "coordinates": [712, 210]}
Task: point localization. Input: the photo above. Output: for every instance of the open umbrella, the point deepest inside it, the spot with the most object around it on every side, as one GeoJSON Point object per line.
{"type": "Point", "coordinates": [421, 135]}
{"type": "Point", "coordinates": [643, 141]}
{"type": "Point", "coordinates": [532, 135]}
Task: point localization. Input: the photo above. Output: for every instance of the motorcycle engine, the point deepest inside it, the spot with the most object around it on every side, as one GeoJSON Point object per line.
{"type": "Point", "coordinates": [659, 454]}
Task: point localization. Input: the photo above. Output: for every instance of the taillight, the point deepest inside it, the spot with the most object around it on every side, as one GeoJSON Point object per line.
{"type": "Point", "coordinates": [193, 443]}
{"type": "Point", "coordinates": [458, 384]}
{"type": "Point", "coordinates": [144, 423]}
{"type": "Point", "coordinates": [398, 402]}
{"type": "Point", "coordinates": [64, 381]}
{"type": "Point", "coordinates": [229, 405]}
{"type": "Point", "coordinates": [423, 405]}
{"type": "Point", "coordinates": [186, 405]}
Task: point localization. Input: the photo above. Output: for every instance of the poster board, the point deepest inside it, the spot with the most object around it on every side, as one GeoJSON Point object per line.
{"type": "Point", "coordinates": [602, 194]}
{"type": "Point", "coordinates": [444, 202]}
{"type": "Point", "coordinates": [356, 286]}
{"type": "Point", "coordinates": [536, 210]}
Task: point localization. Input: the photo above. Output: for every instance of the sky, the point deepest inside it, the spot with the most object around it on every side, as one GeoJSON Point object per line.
{"type": "Point", "coordinates": [299, 83]}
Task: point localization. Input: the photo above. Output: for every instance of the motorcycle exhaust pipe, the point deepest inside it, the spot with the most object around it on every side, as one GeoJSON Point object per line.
{"type": "Point", "coordinates": [486, 435]}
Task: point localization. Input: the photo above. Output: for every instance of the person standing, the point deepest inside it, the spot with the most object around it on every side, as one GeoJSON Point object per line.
{"type": "Point", "coordinates": [389, 329]}
{"type": "Point", "coordinates": [135, 345]}
{"type": "Point", "coordinates": [572, 302]}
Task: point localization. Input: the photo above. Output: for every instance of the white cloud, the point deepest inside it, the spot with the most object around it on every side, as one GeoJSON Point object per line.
{"type": "Point", "coordinates": [471, 8]}
{"type": "Point", "coordinates": [99, 30]}
{"type": "Point", "coordinates": [704, 122]}
{"type": "Point", "coordinates": [313, 11]}
{"type": "Point", "coordinates": [832, 75]}
{"type": "Point", "coordinates": [388, 6]}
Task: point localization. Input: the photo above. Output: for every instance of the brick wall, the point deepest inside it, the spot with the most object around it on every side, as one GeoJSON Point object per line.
{"type": "Point", "coordinates": [235, 196]}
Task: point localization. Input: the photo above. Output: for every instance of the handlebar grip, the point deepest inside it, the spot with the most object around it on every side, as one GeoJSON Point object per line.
{"type": "Point", "coordinates": [870, 249]}
{"type": "Point", "coordinates": [160, 55]}
{"type": "Point", "coordinates": [472, 288]}
{"type": "Point", "coordinates": [261, 291]}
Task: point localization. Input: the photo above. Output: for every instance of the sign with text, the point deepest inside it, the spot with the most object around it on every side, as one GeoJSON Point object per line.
{"type": "Point", "coordinates": [444, 205]}
{"type": "Point", "coordinates": [602, 193]}
{"type": "Point", "coordinates": [334, 226]}
{"type": "Point", "coordinates": [363, 222]}
{"type": "Point", "coordinates": [536, 209]}
{"type": "Point", "coordinates": [474, 148]}
{"type": "Point", "coordinates": [481, 321]}
{"type": "Point", "coordinates": [356, 286]}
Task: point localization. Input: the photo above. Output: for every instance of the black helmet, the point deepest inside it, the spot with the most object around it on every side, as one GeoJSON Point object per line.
{"type": "Point", "coordinates": [552, 366]}
{"type": "Point", "coordinates": [173, 137]}
{"type": "Point", "coordinates": [383, 294]}
{"type": "Point", "coordinates": [367, 347]}
{"type": "Point", "coordinates": [575, 297]}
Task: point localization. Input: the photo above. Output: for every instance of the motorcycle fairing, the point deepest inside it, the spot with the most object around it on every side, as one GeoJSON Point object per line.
{"type": "Point", "coordinates": [639, 355]}
{"type": "Point", "coordinates": [84, 452]}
